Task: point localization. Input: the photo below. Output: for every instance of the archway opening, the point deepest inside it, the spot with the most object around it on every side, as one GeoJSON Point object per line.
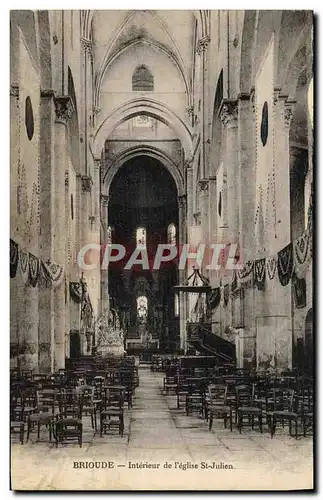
{"type": "Point", "coordinates": [143, 210]}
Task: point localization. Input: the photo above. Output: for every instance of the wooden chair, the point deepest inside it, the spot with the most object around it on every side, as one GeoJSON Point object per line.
{"type": "Point", "coordinates": [285, 408]}
{"type": "Point", "coordinates": [247, 406]}
{"type": "Point", "coordinates": [88, 402]}
{"type": "Point", "coordinates": [68, 425]}
{"type": "Point", "coordinates": [218, 407]}
{"type": "Point", "coordinates": [17, 424]}
{"type": "Point", "coordinates": [44, 415]}
{"type": "Point", "coordinates": [113, 413]}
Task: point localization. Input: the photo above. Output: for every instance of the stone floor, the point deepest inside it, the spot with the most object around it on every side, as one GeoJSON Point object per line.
{"type": "Point", "coordinates": [158, 433]}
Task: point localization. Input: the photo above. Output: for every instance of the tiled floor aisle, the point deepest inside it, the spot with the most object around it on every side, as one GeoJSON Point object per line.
{"type": "Point", "coordinates": [158, 433]}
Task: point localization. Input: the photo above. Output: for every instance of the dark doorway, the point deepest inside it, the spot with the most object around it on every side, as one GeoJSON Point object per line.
{"type": "Point", "coordinates": [75, 344]}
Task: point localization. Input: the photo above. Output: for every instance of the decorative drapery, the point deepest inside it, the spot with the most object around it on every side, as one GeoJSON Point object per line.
{"type": "Point", "coordinates": [260, 273]}
{"type": "Point", "coordinates": [271, 266]}
{"type": "Point", "coordinates": [213, 298]}
{"type": "Point", "coordinates": [76, 291]}
{"type": "Point", "coordinates": [24, 265]}
{"type": "Point", "coordinates": [245, 274]}
{"type": "Point", "coordinates": [33, 269]}
{"type": "Point", "coordinates": [299, 291]}
{"type": "Point", "coordinates": [302, 254]}
{"type": "Point", "coordinates": [51, 274]}
{"type": "Point", "coordinates": [226, 291]}
{"type": "Point", "coordinates": [285, 264]}
{"type": "Point", "coordinates": [14, 258]}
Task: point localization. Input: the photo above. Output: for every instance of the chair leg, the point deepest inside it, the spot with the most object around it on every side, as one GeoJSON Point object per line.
{"type": "Point", "coordinates": [80, 434]}
{"type": "Point", "coordinates": [252, 421]}
{"type": "Point", "coordinates": [28, 430]}
{"type": "Point", "coordinates": [210, 420]}
{"type": "Point", "coordinates": [231, 419]}
{"type": "Point", "coordinates": [38, 430]}
{"type": "Point", "coordinates": [273, 426]}
{"type": "Point", "coordinates": [260, 422]}
{"type": "Point", "coordinates": [22, 433]}
{"type": "Point", "coordinates": [239, 422]}
{"type": "Point", "coordinates": [225, 421]}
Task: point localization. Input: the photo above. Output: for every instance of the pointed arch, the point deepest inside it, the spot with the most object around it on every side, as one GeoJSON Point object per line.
{"type": "Point", "coordinates": [151, 151]}
{"type": "Point", "coordinates": [142, 106]}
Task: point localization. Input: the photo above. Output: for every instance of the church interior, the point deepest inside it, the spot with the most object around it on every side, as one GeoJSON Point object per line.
{"type": "Point", "coordinates": [138, 132]}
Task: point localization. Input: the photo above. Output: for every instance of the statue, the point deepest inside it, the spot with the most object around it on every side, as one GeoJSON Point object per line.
{"type": "Point", "coordinates": [110, 339]}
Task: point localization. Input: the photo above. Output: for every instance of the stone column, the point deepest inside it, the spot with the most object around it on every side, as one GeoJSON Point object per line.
{"type": "Point", "coordinates": [14, 165]}
{"type": "Point", "coordinates": [64, 110]}
{"type": "Point", "coordinates": [189, 191]}
{"type": "Point", "coordinates": [47, 221]}
{"type": "Point", "coordinates": [203, 189]}
{"type": "Point", "coordinates": [229, 118]}
{"type": "Point", "coordinates": [104, 203]}
{"type": "Point", "coordinates": [202, 46]}
{"type": "Point", "coordinates": [182, 239]}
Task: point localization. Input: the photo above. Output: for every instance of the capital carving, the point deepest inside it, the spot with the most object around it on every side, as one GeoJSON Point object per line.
{"type": "Point", "coordinates": [97, 163]}
{"type": "Point", "coordinates": [288, 113]}
{"type": "Point", "coordinates": [203, 186]}
{"type": "Point", "coordinates": [47, 93]}
{"type": "Point", "coordinates": [190, 110]}
{"type": "Point", "coordinates": [96, 110]}
{"type": "Point", "coordinates": [188, 162]}
{"type": "Point", "coordinates": [197, 218]}
{"type": "Point", "coordinates": [14, 90]}
{"type": "Point", "coordinates": [86, 183]}
{"type": "Point", "coordinates": [182, 201]}
{"type": "Point", "coordinates": [66, 178]}
{"type": "Point", "coordinates": [64, 108]}
{"type": "Point", "coordinates": [202, 44]}
{"type": "Point", "coordinates": [86, 45]}
{"type": "Point", "coordinates": [104, 200]}
{"type": "Point", "coordinates": [229, 113]}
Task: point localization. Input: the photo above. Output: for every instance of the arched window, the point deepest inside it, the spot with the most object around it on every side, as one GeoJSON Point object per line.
{"type": "Point", "coordinates": [109, 235]}
{"type": "Point", "coordinates": [142, 308]}
{"type": "Point", "coordinates": [171, 234]}
{"type": "Point", "coordinates": [141, 237]}
{"type": "Point", "coordinates": [142, 79]}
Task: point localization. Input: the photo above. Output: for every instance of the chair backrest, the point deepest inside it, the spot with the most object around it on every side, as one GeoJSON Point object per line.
{"type": "Point", "coordinates": [218, 394]}
{"type": "Point", "coordinates": [113, 397]}
{"type": "Point", "coordinates": [245, 394]}
{"type": "Point", "coordinates": [46, 400]}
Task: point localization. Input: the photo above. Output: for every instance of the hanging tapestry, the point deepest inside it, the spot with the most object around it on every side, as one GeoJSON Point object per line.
{"type": "Point", "coordinates": [24, 265]}
{"type": "Point", "coordinates": [299, 291]}
{"type": "Point", "coordinates": [51, 274]}
{"type": "Point", "coordinates": [226, 291]}
{"type": "Point", "coordinates": [302, 254]}
{"type": "Point", "coordinates": [271, 265]}
{"type": "Point", "coordinates": [245, 275]}
{"type": "Point", "coordinates": [285, 264]}
{"type": "Point", "coordinates": [260, 273]}
{"type": "Point", "coordinates": [76, 292]}
{"type": "Point", "coordinates": [14, 258]}
{"type": "Point", "coordinates": [213, 298]}
{"type": "Point", "coordinates": [33, 269]}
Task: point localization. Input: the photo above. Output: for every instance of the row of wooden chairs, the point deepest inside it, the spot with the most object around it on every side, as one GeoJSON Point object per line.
{"type": "Point", "coordinates": [62, 411]}
{"type": "Point", "coordinates": [248, 399]}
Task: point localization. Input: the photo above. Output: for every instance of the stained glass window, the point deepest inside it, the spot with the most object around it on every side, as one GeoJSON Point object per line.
{"type": "Point", "coordinates": [171, 234]}
{"type": "Point", "coordinates": [142, 308]}
{"type": "Point", "coordinates": [142, 79]}
{"type": "Point", "coordinates": [141, 237]}
{"type": "Point", "coordinates": [109, 235]}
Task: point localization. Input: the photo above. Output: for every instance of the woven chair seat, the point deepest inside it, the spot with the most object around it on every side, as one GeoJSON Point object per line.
{"type": "Point", "coordinates": [249, 409]}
